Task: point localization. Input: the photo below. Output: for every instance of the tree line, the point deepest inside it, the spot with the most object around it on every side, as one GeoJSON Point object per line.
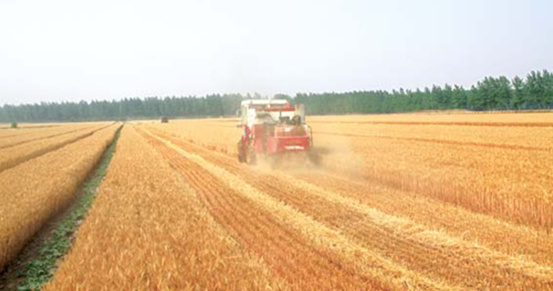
{"type": "Point", "coordinates": [535, 91]}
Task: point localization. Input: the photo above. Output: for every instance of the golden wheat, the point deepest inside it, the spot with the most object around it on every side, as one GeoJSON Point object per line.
{"type": "Point", "coordinates": [15, 155]}
{"type": "Point", "coordinates": [499, 170]}
{"type": "Point", "coordinates": [434, 253]}
{"type": "Point", "coordinates": [428, 201]}
{"type": "Point", "coordinates": [147, 230]}
{"type": "Point", "coordinates": [32, 193]}
{"type": "Point", "coordinates": [13, 137]}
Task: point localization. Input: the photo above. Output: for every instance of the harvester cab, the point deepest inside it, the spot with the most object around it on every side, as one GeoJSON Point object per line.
{"type": "Point", "coordinates": [272, 128]}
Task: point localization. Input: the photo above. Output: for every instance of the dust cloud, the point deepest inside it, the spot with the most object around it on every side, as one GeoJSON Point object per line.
{"type": "Point", "coordinates": [331, 154]}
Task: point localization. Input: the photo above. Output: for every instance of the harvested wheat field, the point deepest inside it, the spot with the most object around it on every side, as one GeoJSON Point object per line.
{"type": "Point", "coordinates": [423, 201]}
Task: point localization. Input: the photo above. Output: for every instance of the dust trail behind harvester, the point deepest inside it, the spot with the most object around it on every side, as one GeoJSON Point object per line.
{"type": "Point", "coordinates": [336, 157]}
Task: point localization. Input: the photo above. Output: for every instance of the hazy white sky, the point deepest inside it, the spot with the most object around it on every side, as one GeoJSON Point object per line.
{"type": "Point", "coordinates": [76, 50]}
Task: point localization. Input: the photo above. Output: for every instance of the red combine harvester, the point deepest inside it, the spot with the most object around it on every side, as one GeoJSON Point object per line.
{"type": "Point", "coordinates": [272, 128]}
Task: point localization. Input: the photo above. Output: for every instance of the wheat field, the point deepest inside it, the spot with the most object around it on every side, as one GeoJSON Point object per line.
{"type": "Point", "coordinates": [34, 190]}
{"type": "Point", "coordinates": [452, 201]}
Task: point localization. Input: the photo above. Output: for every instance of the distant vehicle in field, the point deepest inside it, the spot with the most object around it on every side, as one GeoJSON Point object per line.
{"type": "Point", "coordinates": [164, 120]}
{"type": "Point", "coordinates": [271, 128]}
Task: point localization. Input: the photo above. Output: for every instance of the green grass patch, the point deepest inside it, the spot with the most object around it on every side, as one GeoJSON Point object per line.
{"type": "Point", "coordinates": [39, 270]}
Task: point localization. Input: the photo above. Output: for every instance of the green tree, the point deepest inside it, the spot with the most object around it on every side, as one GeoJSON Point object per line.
{"type": "Point", "coordinates": [535, 90]}
{"type": "Point", "coordinates": [519, 96]}
{"type": "Point", "coordinates": [459, 98]}
{"type": "Point", "coordinates": [503, 92]}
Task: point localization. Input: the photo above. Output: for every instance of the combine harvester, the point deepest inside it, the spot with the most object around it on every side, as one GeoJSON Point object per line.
{"type": "Point", "coordinates": [273, 129]}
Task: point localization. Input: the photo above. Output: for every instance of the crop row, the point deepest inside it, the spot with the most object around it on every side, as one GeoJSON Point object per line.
{"type": "Point", "coordinates": [477, 119]}
{"type": "Point", "coordinates": [32, 193]}
{"type": "Point", "coordinates": [429, 252]}
{"type": "Point", "coordinates": [23, 136]}
{"type": "Point", "coordinates": [462, 123]}
{"type": "Point", "coordinates": [504, 172]}
{"type": "Point", "coordinates": [369, 266]}
{"type": "Point", "coordinates": [390, 198]}
{"type": "Point", "coordinates": [147, 230]}
{"type": "Point", "coordinates": [546, 148]}
{"type": "Point", "coordinates": [506, 183]}
{"type": "Point", "coordinates": [10, 157]}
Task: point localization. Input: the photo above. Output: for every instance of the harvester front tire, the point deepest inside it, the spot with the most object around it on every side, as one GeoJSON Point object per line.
{"type": "Point", "coordinates": [241, 154]}
{"type": "Point", "coordinates": [251, 157]}
{"type": "Point", "coordinates": [314, 157]}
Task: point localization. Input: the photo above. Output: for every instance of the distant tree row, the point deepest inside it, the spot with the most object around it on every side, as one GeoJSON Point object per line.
{"type": "Point", "coordinates": [533, 92]}
{"type": "Point", "coordinates": [128, 108]}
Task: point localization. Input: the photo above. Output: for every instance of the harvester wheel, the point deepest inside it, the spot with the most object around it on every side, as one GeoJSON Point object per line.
{"type": "Point", "coordinates": [251, 157]}
{"type": "Point", "coordinates": [276, 160]}
{"type": "Point", "coordinates": [241, 154]}
{"type": "Point", "coordinates": [314, 157]}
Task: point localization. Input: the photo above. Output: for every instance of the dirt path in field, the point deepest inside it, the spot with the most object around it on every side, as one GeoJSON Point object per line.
{"type": "Point", "coordinates": [431, 258]}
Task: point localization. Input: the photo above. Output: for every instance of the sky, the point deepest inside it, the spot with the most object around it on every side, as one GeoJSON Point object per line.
{"type": "Point", "coordinates": [97, 50]}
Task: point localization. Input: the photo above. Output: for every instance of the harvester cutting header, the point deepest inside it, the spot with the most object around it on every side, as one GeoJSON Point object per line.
{"type": "Point", "coordinates": [272, 128]}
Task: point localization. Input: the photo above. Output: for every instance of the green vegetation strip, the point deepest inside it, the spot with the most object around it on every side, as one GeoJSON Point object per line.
{"type": "Point", "coordinates": [39, 270]}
